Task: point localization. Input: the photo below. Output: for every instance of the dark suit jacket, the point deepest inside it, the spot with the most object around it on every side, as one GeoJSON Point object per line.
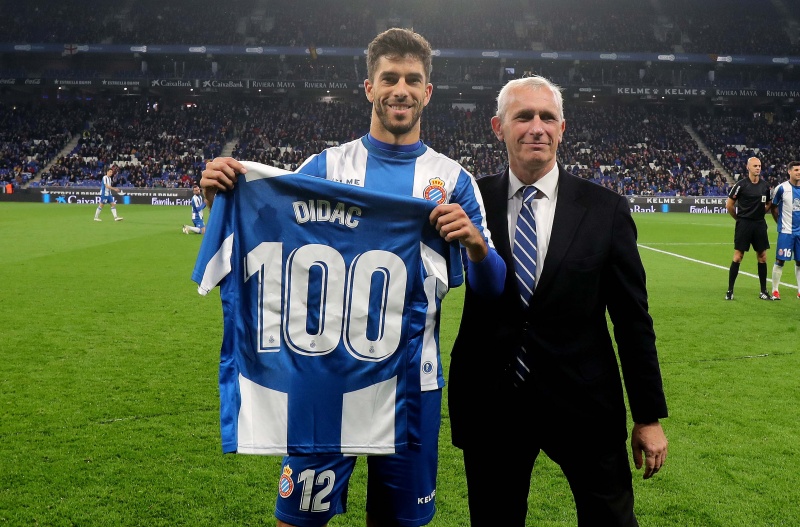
{"type": "Point", "coordinates": [592, 267]}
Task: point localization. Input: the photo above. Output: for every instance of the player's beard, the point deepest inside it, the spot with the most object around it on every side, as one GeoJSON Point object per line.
{"type": "Point", "coordinates": [398, 127]}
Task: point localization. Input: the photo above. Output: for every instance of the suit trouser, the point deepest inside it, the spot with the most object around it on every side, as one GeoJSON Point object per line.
{"type": "Point", "coordinates": [600, 480]}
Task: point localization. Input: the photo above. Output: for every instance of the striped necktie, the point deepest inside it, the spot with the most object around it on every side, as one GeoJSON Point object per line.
{"type": "Point", "coordinates": [525, 246]}
{"type": "Point", "coordinates": [525, 267]}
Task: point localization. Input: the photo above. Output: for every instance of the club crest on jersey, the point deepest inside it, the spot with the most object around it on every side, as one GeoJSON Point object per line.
{"type": "Point", "coordinates": [435, 191]}
{"type": "Point", "coordinates": [286, 485]}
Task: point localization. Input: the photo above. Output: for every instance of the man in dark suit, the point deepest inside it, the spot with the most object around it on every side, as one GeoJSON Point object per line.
{"type": "Point", "coordinates": [571, 405]}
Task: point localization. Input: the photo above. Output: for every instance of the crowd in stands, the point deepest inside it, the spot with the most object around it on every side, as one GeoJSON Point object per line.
{"type": "Point", "coordinates": [733, 27]}
{"type": "Point", "coordinates": [735, 136]}
{"type": "Point", "coordinates": [633, 149]}
{"type": "Point", "coordinates": [31, 136]}
{"type": "Point", "coordinates": [153, 145]}
{"type": "Point", "coordinates": [639, 150]}
{"type": "Point", "coordinates": [711, 26]}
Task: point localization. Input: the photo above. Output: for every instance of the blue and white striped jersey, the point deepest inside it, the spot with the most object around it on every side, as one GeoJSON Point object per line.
{"type": "Point", "coordinates": [787, 198]}
{"type": "Point", "coordinates": [197, 207]}
{"type": "Point", "coordinates": [105, 192]}
{"type": "Point", "coordinates": [329, 292]}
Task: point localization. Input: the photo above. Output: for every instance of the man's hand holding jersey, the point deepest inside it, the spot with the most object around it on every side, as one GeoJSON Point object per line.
{"type": "Point", "coordinates": [453, 224]}
{"type": "Point", "coordinates": [220, 174]}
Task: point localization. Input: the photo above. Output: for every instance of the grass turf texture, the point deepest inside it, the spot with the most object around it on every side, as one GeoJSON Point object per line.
{"type": "Point", "coordinates": [108, 384]}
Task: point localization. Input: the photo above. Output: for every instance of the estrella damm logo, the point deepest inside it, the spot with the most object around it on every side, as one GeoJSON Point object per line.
{"type": "Point", "coordinates": [435, 191]}
{"type": "Point", "coordinates": [286, 485]}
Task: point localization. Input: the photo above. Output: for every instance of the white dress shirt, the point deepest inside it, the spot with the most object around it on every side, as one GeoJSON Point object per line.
{"type": "Point", "coordinates": [544, 209]}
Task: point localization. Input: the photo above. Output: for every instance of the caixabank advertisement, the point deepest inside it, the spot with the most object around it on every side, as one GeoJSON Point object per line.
{"type": "Point", "coordinates": [88, 195]}
{"type": "Point", "coordinates": [181, 197]}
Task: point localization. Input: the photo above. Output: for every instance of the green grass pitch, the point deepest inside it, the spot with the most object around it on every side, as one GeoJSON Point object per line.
{"type": "Point", "coordinates": [109, 404]}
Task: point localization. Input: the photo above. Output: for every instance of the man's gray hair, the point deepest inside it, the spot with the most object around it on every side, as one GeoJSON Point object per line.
{"type": "Point", "coordinates": [533, 82]}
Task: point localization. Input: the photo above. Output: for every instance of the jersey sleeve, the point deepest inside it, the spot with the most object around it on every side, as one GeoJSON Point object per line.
{"type": "Point", "coordinates": [467, 195]}
{"type": "Point", "coordinates": [777, 195]}
{"type": "Point", "coordinates": [734, 192]}
{"type": "Point", "coordinates": [314, 165]}
{"type": "Point", "coordinates": [492, 275]}
{"type": "Point", "coordinates": [213, 262]}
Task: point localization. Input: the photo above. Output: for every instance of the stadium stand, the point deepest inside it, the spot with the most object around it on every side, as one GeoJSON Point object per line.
{"type": "Point", "coordinates": [665, 98]}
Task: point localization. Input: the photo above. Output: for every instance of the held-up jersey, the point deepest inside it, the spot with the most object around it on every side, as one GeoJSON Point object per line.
{"type": "Point", "coordinates": [787, 199]}
{"type": "Point", "coordinates": [422, 173]}
{"type": "Point", "coordinates": [326, 292]}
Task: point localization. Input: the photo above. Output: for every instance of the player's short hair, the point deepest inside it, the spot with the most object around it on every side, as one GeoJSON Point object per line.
{"type": "Point", "coordinates": [533, 82]}
{"type": "Point", "coordinates": [397, 43]}
{"type": "Point", "coordinates": [793, 164]}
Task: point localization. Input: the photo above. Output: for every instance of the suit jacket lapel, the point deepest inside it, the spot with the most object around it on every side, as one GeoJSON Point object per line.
{"type": "Point", "coordinates": [568, 216]}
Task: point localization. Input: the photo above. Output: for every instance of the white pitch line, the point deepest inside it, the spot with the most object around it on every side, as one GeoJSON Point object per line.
{"type": "Point", "coordinates": [706, 263]}
{"type": "Point", "coordinates": [694, 244]}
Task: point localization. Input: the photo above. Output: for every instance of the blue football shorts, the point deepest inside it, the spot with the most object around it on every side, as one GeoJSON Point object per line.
{"type": "Point", "coordinates": [400, 487]}
{"type": "Point", "coordinates": [198, 222]}
{"type": "Point", "coordinates": [788, 247]}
